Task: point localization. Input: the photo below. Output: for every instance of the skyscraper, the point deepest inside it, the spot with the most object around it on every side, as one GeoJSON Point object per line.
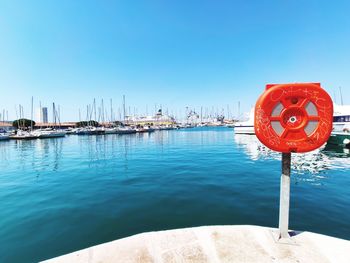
{"type": "Point", "coordinates": [42, 115]}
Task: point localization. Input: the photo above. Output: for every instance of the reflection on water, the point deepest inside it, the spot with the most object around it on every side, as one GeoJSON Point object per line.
{"type": "Point", "coordinates": [113, 151]}
{"type": "Point", "coordinates": [49, 153]}
{"type": "Point", "coordinates": [337, 151]}
{"type": "Point", "coordinates": [38, 155]}
{"type": "Point", "coordinates": [314, 163]}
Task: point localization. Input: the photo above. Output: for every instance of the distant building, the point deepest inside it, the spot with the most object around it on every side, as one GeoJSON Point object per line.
{"type": "Point", "coordinates": [42, 115]}
{"type": "Point", "coordinates": [158, 119]}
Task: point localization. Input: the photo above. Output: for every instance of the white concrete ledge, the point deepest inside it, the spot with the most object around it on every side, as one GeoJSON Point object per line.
{"type": "Point", "coordinates": [215, 244]}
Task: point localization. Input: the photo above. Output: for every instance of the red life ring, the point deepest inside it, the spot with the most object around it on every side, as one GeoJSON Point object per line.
{"type": "Point", "coordinates": [294, 117]}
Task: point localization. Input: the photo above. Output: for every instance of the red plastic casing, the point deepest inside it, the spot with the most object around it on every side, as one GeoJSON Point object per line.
{"type": "Point", "coordinates": [295, 117]}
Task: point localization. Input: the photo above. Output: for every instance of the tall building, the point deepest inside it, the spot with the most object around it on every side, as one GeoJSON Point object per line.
{"type": "Point", "coordinates": [42, 115]}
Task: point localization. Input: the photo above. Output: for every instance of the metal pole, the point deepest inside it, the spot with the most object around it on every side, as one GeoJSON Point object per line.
{"type": "Point", "coordinates": [284, 196]}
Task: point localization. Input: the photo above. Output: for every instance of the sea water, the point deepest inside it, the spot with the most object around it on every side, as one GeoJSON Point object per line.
{"type": "Point", "coordinates": [65, 194]}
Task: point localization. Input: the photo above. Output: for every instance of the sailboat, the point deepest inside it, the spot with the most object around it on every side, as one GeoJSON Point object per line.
{"type": "Point", "coordinates": [21, 133]}
{"type": "Point", "coordinates": [50, 132]}
{"type": "Point", "coordinates": [3, 133]}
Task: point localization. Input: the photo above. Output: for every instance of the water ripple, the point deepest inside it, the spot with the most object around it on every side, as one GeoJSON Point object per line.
{"type": "Point", "coordinates": [60, 195]}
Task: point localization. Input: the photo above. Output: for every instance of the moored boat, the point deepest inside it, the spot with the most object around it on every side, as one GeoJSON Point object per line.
{"type": "Point", "coordinates": [341, 126]}
{"type": "Point", "coordinates": [111, 130]}
{"type": "Point", "coordinates": [340, 138]}
{"type": "Point", "coordinates": [145, 129]}
{"type": "Point", "coordinates": [245, 127]}
{"type": "Point", "coordinates": [71, 131]}
{"type": "Point", "coordinates": [91, 131]}
{"type": "Point", "coordinates": [167, 127]}
{"type": "Point", "coordinates": [4, 136]}
{"type": "Point", "coordinates": [341, 118]}
{"type": "Point", "coordinates": [23, 135]}
{"type": "Point", "coordinates": [49, 133]}
{"type": "Point", "coordinates": [125, 130]}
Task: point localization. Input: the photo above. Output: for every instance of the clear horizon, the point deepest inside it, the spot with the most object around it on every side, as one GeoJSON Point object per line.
{"type": "Point", "coordinates": [179, 54]}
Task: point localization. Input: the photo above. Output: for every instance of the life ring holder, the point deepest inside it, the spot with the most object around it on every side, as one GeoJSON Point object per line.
{"type": "Point", "coordinates": [295, 117]}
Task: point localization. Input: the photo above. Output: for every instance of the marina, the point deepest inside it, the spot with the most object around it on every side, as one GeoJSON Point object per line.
{"type": "Point", "coordinates": [174, 132]}
{"type": "Point", "coordinates": [96, 189]}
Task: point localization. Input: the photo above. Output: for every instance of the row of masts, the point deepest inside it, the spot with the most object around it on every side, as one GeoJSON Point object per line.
{"type": "Point", "coordinates": [100, 113]}
{"type": "Point", "coordinates": [21, 116]}
{"type": "Point", "coordinates": [4, 116]}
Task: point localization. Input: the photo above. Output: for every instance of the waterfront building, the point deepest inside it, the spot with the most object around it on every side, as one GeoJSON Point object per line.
{"type": "Point", "coordinates": [42, 115]}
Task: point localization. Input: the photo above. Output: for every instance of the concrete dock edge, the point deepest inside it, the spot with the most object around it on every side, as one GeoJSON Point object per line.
{"type": "Point", "coordinates": [242, 243]}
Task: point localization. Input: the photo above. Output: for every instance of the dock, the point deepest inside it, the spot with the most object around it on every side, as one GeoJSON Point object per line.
{"type": "Point", "coordinates": [241, 243]}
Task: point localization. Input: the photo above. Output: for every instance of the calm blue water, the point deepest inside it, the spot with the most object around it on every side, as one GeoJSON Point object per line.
{"type": "Point", "coordinates": [61, 195]}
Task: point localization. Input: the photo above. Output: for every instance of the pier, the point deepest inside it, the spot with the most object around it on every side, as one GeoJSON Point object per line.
{"type": "Point", "coordinates": [216, 244]}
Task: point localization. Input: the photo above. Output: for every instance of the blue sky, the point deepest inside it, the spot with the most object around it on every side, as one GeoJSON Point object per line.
{"type": "Point", "coordinates": [175, 53]}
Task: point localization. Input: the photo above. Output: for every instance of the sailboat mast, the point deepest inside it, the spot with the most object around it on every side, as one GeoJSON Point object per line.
{"type": "Point", "coordinates": [341, 96]}
{"type": "Point", "coordinates": [111, 111]}
{"type": "Point", "coordinates": [22, 115]}
{"type": "Point", "coordinates": [40, 114]}
{"type": "Point", "coordinates": [239, 109]}
{"type": "Point", "coordinates": [16, 112]}
{"type": "Point", "coordinates": [103, 112]}
{"type": "Point", "coordinates": [31, 116]}
{"type": "Point", "coordinates": [54, 113]}
{"type": "Point", "coordinates": [94, 109]}
{"type": "Point", "coordinates": [124, 107]}
{"type": "Point", "coordinates": [228, 112]}
{"type": "Point", "coordinates": [59, 116]}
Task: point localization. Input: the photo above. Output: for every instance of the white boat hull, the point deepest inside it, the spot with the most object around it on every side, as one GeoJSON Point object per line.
{"type": "Point", "coordinates": [4, 137]}
{"type": "Point", "coordinates": [244, 130]}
